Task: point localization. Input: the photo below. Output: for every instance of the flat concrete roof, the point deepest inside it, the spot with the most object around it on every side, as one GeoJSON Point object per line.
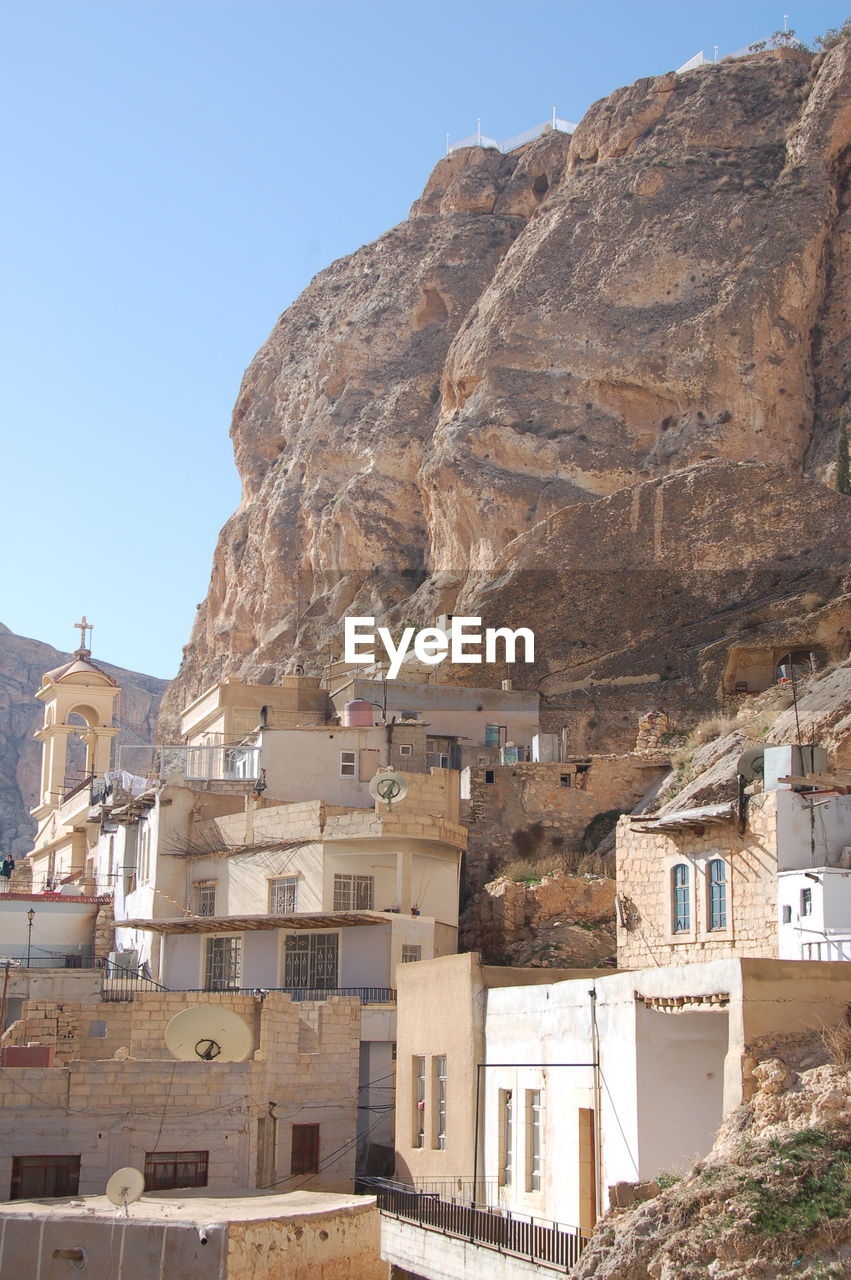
{"type": "Point", "coordinates": [208, 1210]}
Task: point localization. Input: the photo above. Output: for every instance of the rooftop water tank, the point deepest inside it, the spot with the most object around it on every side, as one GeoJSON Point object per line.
{"type": "Point", "coordinates": [359, 712]}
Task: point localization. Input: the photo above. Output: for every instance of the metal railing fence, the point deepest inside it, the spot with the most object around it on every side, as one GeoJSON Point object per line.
{"type": "Point", "coordinates": [550, 1244]}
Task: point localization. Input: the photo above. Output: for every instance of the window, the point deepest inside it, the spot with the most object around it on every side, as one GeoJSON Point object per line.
{"type": "Point", "coordinates": [37, 1176]}
{"type": "Point", "coordinates": [682, 904]}
{"type": "Point", "coordinates": [167, 1170]}
{"type": "Point", "coordinates": [419, 1102]}
{"type": "Point", "coordinates": [488, 775]}
{"type": "Point", "coordinates": [348, 764]}
{"type": "Point", "coordinates": [354, 893]}
{"type": "Point", "coordinates": [305, 1149]}
{"type": "Point", "coordinates": [206, 899]}
{"type": "Point", "coordinates": [282, 895]}
{"type": "Point", "coordinates": [411, 953]}
{"type": "Point", "coordinates": [565, 779]}
{"type": "Point", "coordinates": [717, 873]}
{"type": "Point", "coordinates": [223, 965]}
{"type": "Point", "coordinates": [533, 1139]}
{"type": "Point", "coordinates": [439, 1066]}
{"type": "Point", "coordinates": [310, 960]}
{"type": "Point", "coordinates": [806, 902]}
{"type": "Point", "coordinates": [787, 915]}
{"type": "Point", "coordinates": [483, 760]}
{"type": "Point", "coordinates": [409, 715]}
{"type": "Point", "coordinates": [506, 1137]}
{"type": "Point", "coordinates": [406, 749]}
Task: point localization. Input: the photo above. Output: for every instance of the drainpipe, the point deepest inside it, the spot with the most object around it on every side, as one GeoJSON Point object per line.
{"type": "Point", "coordinates": [598, 1099]}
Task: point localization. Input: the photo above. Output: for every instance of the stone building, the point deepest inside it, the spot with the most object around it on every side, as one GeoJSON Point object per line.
{"type": "Point", "coordinates": [530, 810]}
{"type": "Point", "coordinates": [698, 884]}
{"type": "Point", "coordinates": [108, 1094]}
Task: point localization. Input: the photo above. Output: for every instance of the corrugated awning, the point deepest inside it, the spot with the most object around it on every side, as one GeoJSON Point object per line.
{"type": "Point", "coordinates": [246, 924]}
{"type": "Point", "coordinates": [707, 815]}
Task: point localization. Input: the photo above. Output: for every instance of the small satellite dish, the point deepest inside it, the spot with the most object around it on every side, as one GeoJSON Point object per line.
{"type": "Point", "coordinates": [751, 763]}
{"type": "Point", "coordinates": [389, 787]}
{"type": "Point", "coordinates": [125, 1186]}
{"type": "Point", "coordinates": [207, 1033]}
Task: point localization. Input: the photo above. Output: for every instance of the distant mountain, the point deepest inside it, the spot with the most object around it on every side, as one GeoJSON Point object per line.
{"type": "Point", "coordinates": [22, 664]}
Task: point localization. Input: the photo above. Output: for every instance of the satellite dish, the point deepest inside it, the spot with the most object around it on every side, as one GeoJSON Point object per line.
{"type": "Point", "coordinates": [751, 763]}
{"type": "Point", "coordinates": [207, 1033]}
{"type": "Point", "coordinates": [125, 1186]}
{"type": "Point", "coordinates": [389, 787]}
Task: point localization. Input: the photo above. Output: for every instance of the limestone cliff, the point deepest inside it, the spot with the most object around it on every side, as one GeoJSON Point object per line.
{"type": "Point", "coordinates": [22, 664]}
{"type": "Point", "coordinates": [666, 287]}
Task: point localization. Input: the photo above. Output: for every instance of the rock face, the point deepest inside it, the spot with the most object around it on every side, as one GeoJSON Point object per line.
{"type": "Point", "coordinates": [479, 390]}
{"type": "Point", "coordinates": [563, 921]}
{"type": "Point", "coordinates": [22, 664]}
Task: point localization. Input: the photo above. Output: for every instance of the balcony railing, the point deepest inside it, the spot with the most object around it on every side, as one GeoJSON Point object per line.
{"type": "Point", "coordinates": [366, 995]}
{"type": "Point", "coordinates": [550, 1244]}
{"type": "Point", "coordinates": [239, 762]}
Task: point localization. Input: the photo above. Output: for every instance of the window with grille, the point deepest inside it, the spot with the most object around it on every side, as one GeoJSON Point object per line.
{"type": "Point", "coordinates": [310, 960]}
{"type": "Point", "coordinates": [167, 1170]}
{"type": "Point", "coordinates": [411, 953]}
{"type": "Point", "coordinates": [206, 899]}
{"type": "Point", "coordinates": [533, 1139]}
{"type": "Point", "coordinates": [717, 874]}
{"type": "Point", "coordinates": [348, 764]}
{"type": "Point", "coordinates": [439, 1102]}
{"type": "Point", "coordinates": [282, 895]}
{"type": "Point", "coordinates": [419, 1101]}
{"type": "Point", "coordinates": [353, 893]}
{"type": "Point", "coordinates": [506, 1137]}
{"type": "Point", "coordinates": [223, 967]}
{"type": "Point", "coordinates": [806, 902]}
{"type": "Point", "coordinates": [36, 1176]}
{"type": "Point", "coordinates": [681, 901]}
{"type": "Point", "coordinates": [305, 1149]}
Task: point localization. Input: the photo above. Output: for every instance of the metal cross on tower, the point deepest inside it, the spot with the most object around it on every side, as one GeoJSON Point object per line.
{"type": "Point", "coordinates": [83, 626]}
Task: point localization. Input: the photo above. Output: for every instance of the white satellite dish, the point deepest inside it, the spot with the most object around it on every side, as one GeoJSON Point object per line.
{"type": "Point", "coordinates": [207, 1033]}
{"type": "Point", "coordinates": [125, 1186]}
{"type": "Point", "coordinates": [388, 786]}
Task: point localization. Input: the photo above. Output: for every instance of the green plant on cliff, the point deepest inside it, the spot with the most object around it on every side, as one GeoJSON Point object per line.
{"type": "Point", "coordinates": [784, 1199]}
{"type": "Point", "coordinates": [843, 477]}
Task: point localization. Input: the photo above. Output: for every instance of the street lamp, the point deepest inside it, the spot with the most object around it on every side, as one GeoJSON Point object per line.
{"type": "Point", "coordinates": [30, 918]}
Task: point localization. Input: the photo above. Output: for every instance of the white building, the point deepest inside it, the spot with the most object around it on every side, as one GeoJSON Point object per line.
{"type": "Point", "coordinates": [537, 1097]}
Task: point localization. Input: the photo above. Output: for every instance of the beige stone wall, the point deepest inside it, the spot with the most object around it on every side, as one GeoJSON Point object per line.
{"type": "Point", "coordinates": [337, 1245]}
{"type": "Point", "coordinates": [523, 795]}
{"type": "Point", "coordinates": [112, 1110]}
{"type": "Point", "coordinates": [644, 863]}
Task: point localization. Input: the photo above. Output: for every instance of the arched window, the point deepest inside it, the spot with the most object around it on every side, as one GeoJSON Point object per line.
{"type": "Point", "coordinates": [681, 898]}
{"type": "Point", "coordinates": [717, 888]}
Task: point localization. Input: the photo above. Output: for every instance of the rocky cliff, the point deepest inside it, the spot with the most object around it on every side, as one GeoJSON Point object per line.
{"type": "Point", "coordinates": [22, 664]}
{"type": "Point", "coordinates": [517, 376]}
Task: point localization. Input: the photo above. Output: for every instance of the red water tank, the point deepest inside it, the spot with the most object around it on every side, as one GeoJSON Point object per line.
{"type": "Point", "coordinates": [360, 712]}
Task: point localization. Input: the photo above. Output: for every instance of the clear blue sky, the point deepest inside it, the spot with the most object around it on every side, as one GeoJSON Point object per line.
{"type": "Point", "coordinates": [175, 173]}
